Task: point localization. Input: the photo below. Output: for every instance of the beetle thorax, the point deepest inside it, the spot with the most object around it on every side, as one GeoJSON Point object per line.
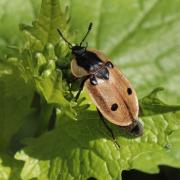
{"type": "Point", "coordinates": [89, 63]}
{"type": "Point", "coordinates": [88, 60]}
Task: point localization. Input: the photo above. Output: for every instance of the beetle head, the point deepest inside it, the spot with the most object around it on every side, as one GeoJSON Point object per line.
{"type": "Point", "coordinates": [78, 50]}
{"type": "Point", "coordinates": [136, 129]}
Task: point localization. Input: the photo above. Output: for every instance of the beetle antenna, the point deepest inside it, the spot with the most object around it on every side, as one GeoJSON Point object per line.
{"type": "Point", "coordinates": [89, 29]}
{"type": "Point", "coordinates": [60, 33]}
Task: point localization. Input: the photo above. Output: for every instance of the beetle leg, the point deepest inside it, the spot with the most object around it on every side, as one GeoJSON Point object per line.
{"type": "Point", "coordinates": [81, 88]}
{"type": "Point", "coordinates": [93, 80]}
{"type": "Point", "coordinates": [108, 128]}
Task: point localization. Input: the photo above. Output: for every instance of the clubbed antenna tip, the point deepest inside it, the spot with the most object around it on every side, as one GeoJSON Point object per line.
{"type": "Point", "coordinates": [90, 26]}
{"type": "Point", "coordinates": [89, 29]}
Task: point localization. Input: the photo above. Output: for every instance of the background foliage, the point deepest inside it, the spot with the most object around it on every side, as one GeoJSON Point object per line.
{"type": "Point", "coordinates": [141, 37]}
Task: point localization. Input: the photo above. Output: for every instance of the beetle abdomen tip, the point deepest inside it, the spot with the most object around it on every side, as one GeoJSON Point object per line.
{"type": "Point", "coordinates": [136, 129]}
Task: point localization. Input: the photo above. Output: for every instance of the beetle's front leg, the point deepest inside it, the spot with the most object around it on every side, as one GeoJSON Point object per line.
{"type": "Point", "coordinates": [93, 81]}
{"type": "Point", "coordinates": [81, 88]}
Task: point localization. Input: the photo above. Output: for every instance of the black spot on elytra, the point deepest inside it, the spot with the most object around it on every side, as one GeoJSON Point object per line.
{"type": "Point", "coordinates": [114, 107]}
{"type": "Point", "coordinates": [129, 91]}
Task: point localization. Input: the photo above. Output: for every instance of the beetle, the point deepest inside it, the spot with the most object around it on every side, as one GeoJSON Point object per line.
{"type": "Point", "coordinates": [109, 89]}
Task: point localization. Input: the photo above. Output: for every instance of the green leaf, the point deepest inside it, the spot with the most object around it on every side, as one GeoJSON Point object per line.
{"type": "Point", "coordinates": [151, 105]}
{"type": "Point", "coordinates": [44, 29]}
{"type": "Point", "coordinates": [90, 151]}
{"type": "Point", "coordinates": [13, 13]}
{"type": "Point", "coordinates": [52, 91]}
{"type": "Point", "coordinates": [15, 105]}
{"type": "Point", "coordinates": [4, 171]}
{"type": "Point", "coordinates": [15, 102]}
{"type": "Point", "coordinates": [9, 167]}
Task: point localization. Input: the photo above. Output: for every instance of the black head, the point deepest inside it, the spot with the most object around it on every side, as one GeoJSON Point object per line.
{"type": "Point", "coordinates": [77, 49]}
{"type": "Point", "coordinates": [136, 129]}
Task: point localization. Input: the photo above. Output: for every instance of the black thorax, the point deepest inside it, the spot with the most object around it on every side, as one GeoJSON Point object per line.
{"type": "Point", "coordinates": [93, 64]}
